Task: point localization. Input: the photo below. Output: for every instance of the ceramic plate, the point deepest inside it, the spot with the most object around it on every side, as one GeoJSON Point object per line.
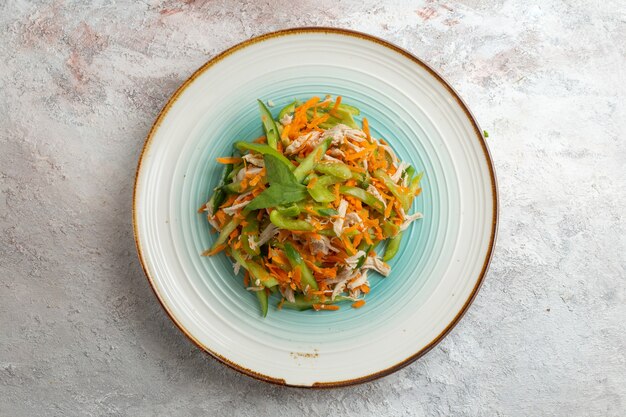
{"type": "Point", "coordinates": [443, 258]}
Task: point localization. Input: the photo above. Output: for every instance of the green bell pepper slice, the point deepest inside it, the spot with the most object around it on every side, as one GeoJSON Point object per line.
{"type": "Point", "coordinates": [269, 125]}
{"type": "Point", "coordinates": [392, 247]}
{"type": "Point", "coordinates": [308, 163]}
{"type": "Point", "coordinates": [364, 196]}
{"type": "Point", "coordinates": [296, 261]}
{"type": "Point", "coordinates": [283, 222]}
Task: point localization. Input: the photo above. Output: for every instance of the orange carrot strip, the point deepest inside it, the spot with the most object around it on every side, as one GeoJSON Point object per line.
{"type": "Point", "coordinates": [398, 208]}
{"type": "Point", "coordinates": [366, 129]}
{"type": "Point", "coordinates": [311, 183]}
{"type": "Point", "coordinates": [229, 201]}
{"type": "Point", "coordinates": [221, 217]}
{"type": "Point", "coordinates": [260, 139]}
{"type": "Point", "coordinates": [218, 249]}
{"type": "Point", "coordinates": [348, 245]}
{"type": "Point", "coordinates": [336, 106]}
{"type": "Point", "coordinates": [388, 209]}
{"type": "Point", "coordinates": [356, 168]}
{"type": "Point", "coordinates": [365, 288]}
{"type": "Point", "coordinates": [351, 228]}
{"type": "Point", "coordinates": [357, 239]}
{"type": "Point", "coordinates": [330, 307]}
{"type": "Point", "coordinates": [357, 155]}
{"type": "Point", "coordinates": [358, 304]}
{"type": "Point", "coordinates": [229, 160]}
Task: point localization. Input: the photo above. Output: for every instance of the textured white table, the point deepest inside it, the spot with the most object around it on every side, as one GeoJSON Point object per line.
{"type": "Point", "coordinates": [81, 332]}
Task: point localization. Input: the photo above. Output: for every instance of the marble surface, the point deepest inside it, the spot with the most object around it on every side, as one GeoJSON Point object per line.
{"type": "Point", "coordinates": [81, 333]}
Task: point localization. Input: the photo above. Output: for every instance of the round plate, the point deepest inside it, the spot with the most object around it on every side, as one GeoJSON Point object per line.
{"type": "Point", "coordinates": [443, 257]}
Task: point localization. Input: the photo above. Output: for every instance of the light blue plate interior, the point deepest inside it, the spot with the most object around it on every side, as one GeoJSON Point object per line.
{"type": "Point", "coordinates": [243, 123]}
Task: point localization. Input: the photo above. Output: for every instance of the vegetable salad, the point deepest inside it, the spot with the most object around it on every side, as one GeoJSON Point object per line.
{"type": "Point", "coordinates": [303, 208]}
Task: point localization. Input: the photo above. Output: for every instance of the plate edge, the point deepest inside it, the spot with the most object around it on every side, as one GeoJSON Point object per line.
{"type": "Point", "coordinates": [468, 114]}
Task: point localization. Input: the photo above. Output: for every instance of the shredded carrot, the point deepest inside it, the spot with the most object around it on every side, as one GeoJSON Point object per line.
{"type": "Point", "coordinates": [398, 209]}
{"type": "Point", "coordinates": [233, 235]}
{"type": "Point", "coordinates": [378, 232]}
{"type": "Point", "coordinates": [229, 201]}
{"type": "Point", "coordinates": [254, 181]}
{"type": "Point", "coordinates": [358, 304]}
{"type": "Point", "coordinates": [221, 217]}
{"type": "Point", "coordinates": [388, 209]}
{"type": "Point", "coordinates": [260, 139]}
{"type": "Point", "coordinates": [311, 183]}
{"type": "Point", "coordinates": [365, 289]}
{"type": "Point", "coordinates": [246, 279]}
{"type": "Point", "coordinates": [357, 240]}
{"type": "Point", "coordinates": [366, 129]}
{"type": "Point", "coordinates": [229, 160]}
{"type": "Point", "coordinates": [349, 248]}
{"type": "Point", "coordinates": [285, 133]}
{"type": "Point", "coordinates": [331, 307]}
{"type": "Point", "coordinates": [357, 155]}
{"type": "Point", "coordinates": [337, 196]}
{"type": "Point", "coordinates": [367, 238]}
{"type": "Point", "coordinates": [351, 228]}
{"type": "Point", "coordinates": [218, 249]}
{"type": "Point", "coordinates": [317, 120]}
{"type": "Point", "coordinates": [333, 111]}
{"type": "Point", "coordinates": [297, 275]}
{"type": "Point", "coordinates": [355, 168]}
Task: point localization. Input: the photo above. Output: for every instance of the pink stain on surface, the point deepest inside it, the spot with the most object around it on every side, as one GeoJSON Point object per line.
{"type": "Point", "coordinates": [44, 25]}
{"type": "Point", "coordinates": [85, 44]}
{"type": "Point", "coordinates": [426, 13]}
{"type": "Point", "coordinates": [168, 12]}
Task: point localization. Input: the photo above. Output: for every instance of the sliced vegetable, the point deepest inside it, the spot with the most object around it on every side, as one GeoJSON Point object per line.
{"type": "Point", "coordinates": [288, 109]}
{"type": "Point", "coordinates": [296, 261]}
{"type": "Point", "coordinates": [311, 160]}
{"type": "Point", "coordinates": [269, 125]}
{"type": "Point", "coordinates": [405, 198]}
{"type": "Point", "coordinates": [250, 231]}
{"type": "Point", "coordinates": [283, 222]}
{"type": "Point", "coordinates": [219, 195]}
{"type": "Point", "coordinates": [392, 247]}
{"type": "Point", "coordinates": [319, 191]}
{"type": "Point", "coordinates": [263, 301]}
{"type": "Point", "coordinates": [226, 231]}
{"type": "Point", "coordinates": [292, 210]}
{"type": "Point", "coordinates": [363, 196]}
{"type": "Point", "coordinates": [415, 183]}
{"type": "Point", "coordinates": [389, 229]}
{"type": "Point", "coordinates": [303, 303]}
{"type": "Point", "coordinates": [336, 169]}
{"type": "Point", "coordinates": [256, 271]}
